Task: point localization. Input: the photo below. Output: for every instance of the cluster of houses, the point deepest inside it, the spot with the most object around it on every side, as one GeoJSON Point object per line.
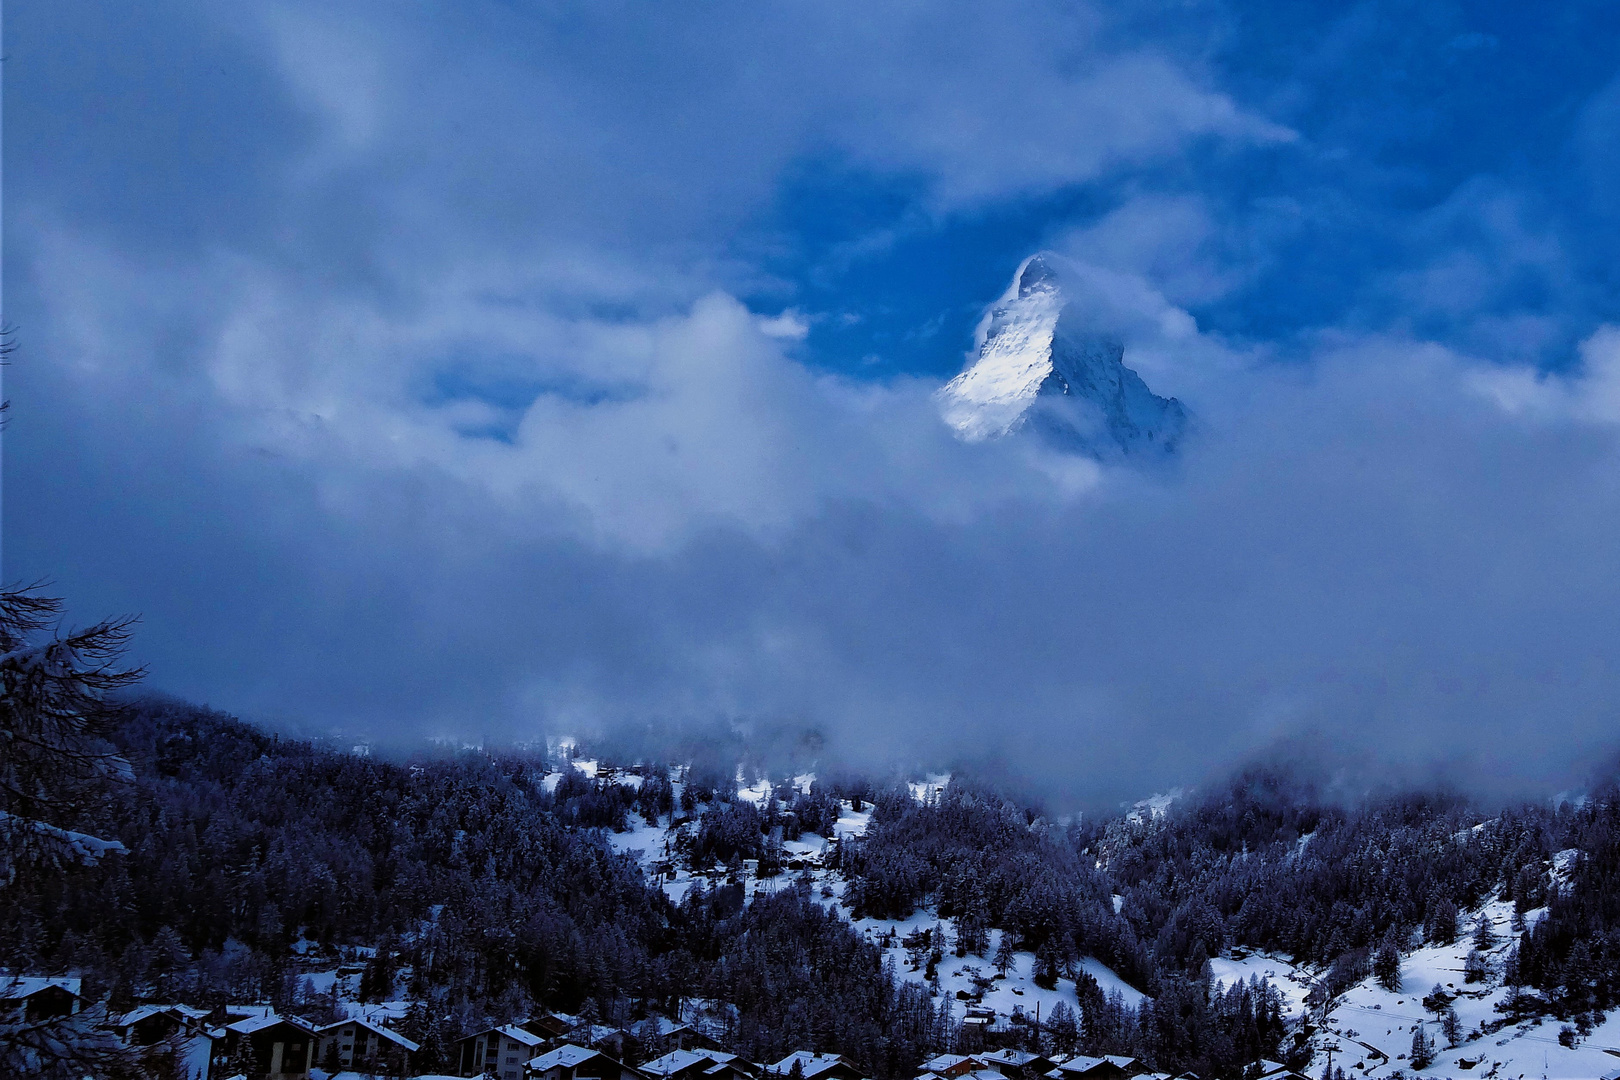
{"type": "Point", "coordinates": [1023, 1065]}
{"type": "Point", "coordinates": [255, 1043]}
{"type": "Point", "coordinates": [252, 1041]}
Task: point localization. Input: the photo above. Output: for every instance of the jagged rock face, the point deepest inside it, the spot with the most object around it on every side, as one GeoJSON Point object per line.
{"type": "Point", "coordinates": [1041, 368]}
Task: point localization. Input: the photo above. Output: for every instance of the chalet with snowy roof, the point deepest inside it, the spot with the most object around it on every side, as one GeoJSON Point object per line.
{"type": "Point", "coordinates": [233, 1013]}
{"type": "Point", "coordinates": [951, 1066]}
{"type": "Point", "coordinates": [498, 1051]}
{"type": "Point", "coordinates": [1082, 1067]}
{"type": "Point", "coordinates": [699, 1065]}
{"type": "Point", "coordinates": [1276, 1070]}
{"type": "Point", "coordinates": [1018, 1064]}
{"type": "Point", "coordinates": [615, 1042]}
{"type": "Point", "coordinates": [1129, 1065]}
{"type": "Point", "coordinates": [164, 1029]}
{"type": "Point", "coordinates": [572, 1062]}
{"type": "Point", "coordinates": [363, 1045]}
{"type": "Point", "coordinates": [279, 1047]}
{"type": "Point", "coordinates": [660, 1033]}
{"type": "Point", "coordinates": [149, 1024]}
{"type": "Point", "coordinates": [36, 998]}
{"type": "Point", "coordinates": [815, 1067]}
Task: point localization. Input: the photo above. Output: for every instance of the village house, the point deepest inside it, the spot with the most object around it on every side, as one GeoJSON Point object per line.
{"type": "Point", "coordinates": [160, 1027]}
{"type": "Point", "coordinates": [1276, 1070]}
{"type": "Point", "coordinates": [282, 1047]}
{"type": "Point", "coordinates": [816, 1067]}
{"type": "Point", "coordinates": [36, 998]}
{"type": "Point", "coordinates": [1082, 1067]}
{"type": "Point", "coordinates": [951, 1066]}
{"type": "Point", "coordinates": [664, 1034]}
{"type": "Point", "coordinates": [499, 1051]}
{"type": "Point", "coordinates": [699, 1065]}
{"type": "Point", "coordinates": [149, 1024]}
{"type": "Point", "coordinates": [571, 1062]}
{"type": "Point", "coordinates": [363, 1045]}
{"type": "Point", "coordinates": [1018, 1064]}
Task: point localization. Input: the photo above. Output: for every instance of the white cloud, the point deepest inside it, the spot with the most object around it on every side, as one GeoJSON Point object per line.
{"type": "Point", "coordinates": [1591, 394]}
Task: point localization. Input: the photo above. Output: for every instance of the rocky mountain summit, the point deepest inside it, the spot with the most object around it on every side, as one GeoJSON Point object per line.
{"type": "Point", "coordinates": [1044, 366]}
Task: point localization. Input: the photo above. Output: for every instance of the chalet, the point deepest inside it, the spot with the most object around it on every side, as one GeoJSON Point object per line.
{"type": "Point", "coordinates": [551, 1025]}
{"type": "Point", "coordinates": [35, 998]}
{"type": "Point", "coordinates": [571, 1062]}
{"type": "Point", "coordinates": [1018, 1064]}
{"type": "Point", "coordinates": [815, 1067]}
{"type": "Point", "coordinates": [1081, 1067]}
{"type": "Point", "coordinates": [151, 1024]}
{"type": "Point", "coordinates": [951, 1066]}
{"type": "Point", "coordinates": [1276, 1070]}
{"type": "Point", "coordinates": [615, 1042]}
{"type": "Point", "coordinates": [667, 1034]}
{"type": "Point", "coordinates": [363, 1045]}
{"type": "Point", "coordinates": [699, 1065]}
{"type": "Point", "coordinates": [158, 1029]}
{"type": "Point", "coordinates": [499, 1052]}
{"type": "Point", "coordinates": [282, 1047]}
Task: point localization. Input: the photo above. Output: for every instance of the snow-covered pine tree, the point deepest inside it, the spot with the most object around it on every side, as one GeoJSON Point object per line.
{"type": "Point", "coordinates": [1421, 1055]}
{"type": "Point", "coordinates": [53, 755]}
{"type": "Point", "coordinates": [1387, 965]}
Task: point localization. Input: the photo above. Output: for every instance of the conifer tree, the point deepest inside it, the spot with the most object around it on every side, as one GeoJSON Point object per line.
{"type": "Point", "coordinates": [1387, 966]}
{"type": "Point", "coordinates": [54, 760]}
{"type": "Point", "coordinates": [1422, 1052]}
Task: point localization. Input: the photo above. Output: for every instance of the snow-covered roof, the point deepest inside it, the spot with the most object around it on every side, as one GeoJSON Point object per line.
{"type": "Point", "coordinates": [15, 988]}
{"type": "Point", "coordinates": [680, 1060]}
{"type": "Point", "coordinates": [259, 1023]}
{"type": "Point", "coordinates": [513, 1032]}
{"type": "Point", "coordinates": [595, 1033]}
{"type": "Point", "coordinates": [944, 1061]}
{"type": "Point", "coordinates": [359, 1021]}
{"type": "Point", "coordinates": [141, 1012]}
{"type": "Point", "coordinates": [665, 1026]}
{"type": "Point", "coordinates": [1009, 1057]}
{"type": "Point", "coordinates": [566, 1056]}
{"type": "Point", "coordinates": [810, 1065]}
{"type": "Point", "coordinates": [242, 1012]}
{"type": "Point", "coordinates": [673, 1062]}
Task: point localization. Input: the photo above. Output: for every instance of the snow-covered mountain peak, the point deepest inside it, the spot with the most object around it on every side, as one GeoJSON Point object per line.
{"type": "Point", "coordinates": [1041, 363]}
{"type": "Point", "coordinates": [1037, 272]}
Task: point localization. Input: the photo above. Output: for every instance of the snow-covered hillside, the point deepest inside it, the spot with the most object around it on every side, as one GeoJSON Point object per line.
{"type": "Point", "coordinates": [1369, 1029]}
{"type": "Point", "coordinates": [972, 983]}
{"type": "Point", "coordinates": [1042, 365]}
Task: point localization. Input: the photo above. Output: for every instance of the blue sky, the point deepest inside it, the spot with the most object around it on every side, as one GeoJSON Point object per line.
{"type": "Point", "coordinates": [493, 368]}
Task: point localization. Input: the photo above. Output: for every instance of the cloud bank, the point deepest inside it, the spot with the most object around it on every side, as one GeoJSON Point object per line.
{"type": "Point", "coordinates": [420, 383]}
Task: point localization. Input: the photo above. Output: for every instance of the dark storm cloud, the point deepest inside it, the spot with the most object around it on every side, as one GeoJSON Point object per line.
{"type": "Point", "coordinates": [393, 371]}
